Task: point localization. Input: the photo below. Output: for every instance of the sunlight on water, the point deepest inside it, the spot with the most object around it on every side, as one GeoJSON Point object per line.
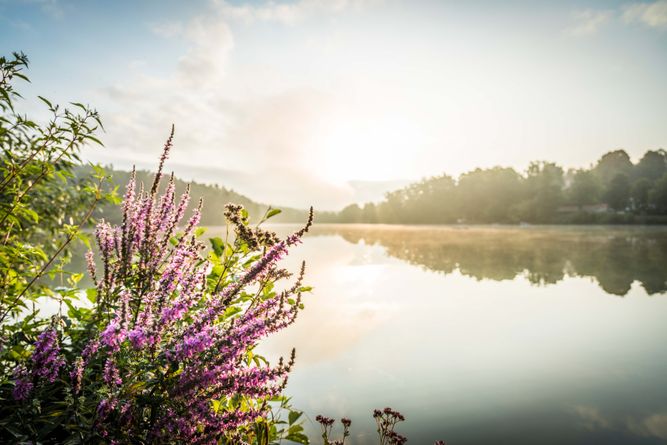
{"type": "Point", "coordinates": [483, 351]}
{"type": "Point", "coordinates": [550, 335]}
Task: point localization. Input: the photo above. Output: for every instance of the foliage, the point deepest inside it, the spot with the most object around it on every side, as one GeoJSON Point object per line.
{"type": "Point", "coordinates": [618, 192]}
{"type": "Point", "coordinates": [585, 188]}
{"type": "Point", "coordinates": [651, 166]}
{"type": "Point", "coordinates": [544, 193]}
{"type": "Point", "coordinates": [164, 352]}
{"type": "Point", "coordinates": [611, 164]}
{"type": "Point", "coordinates": [161, 350]}
{"type": "Point", "coordinates": [211, 215]}
{"type": "Point", "coordinates": [640, 194]}
{"type": "Point", "coordinates": [42, 207]}
{"type": "Point", "coordinates": [658, 195]}
{"type": "Point", "coordinates": [492, 191]}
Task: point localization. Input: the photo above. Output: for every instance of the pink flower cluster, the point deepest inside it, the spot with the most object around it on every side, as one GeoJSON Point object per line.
{"type": "Point", "coordinates": [46, 362]}
{"type": "Point", "coordinates": [167, 361]}
{"type": "Point", "coordinates": [165, 311]}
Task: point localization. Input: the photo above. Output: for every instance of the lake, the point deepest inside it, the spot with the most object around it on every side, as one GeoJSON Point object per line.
{"type": "Point", "coordinates": [522, 335]}
{"type": "Point", "coordinates": [482, 334]}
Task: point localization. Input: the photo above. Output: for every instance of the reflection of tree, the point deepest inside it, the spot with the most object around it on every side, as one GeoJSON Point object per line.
{"type": "Point", "coordinates": [615, 257]}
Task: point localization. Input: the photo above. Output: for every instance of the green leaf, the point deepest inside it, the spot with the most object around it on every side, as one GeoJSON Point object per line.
{"type": "Point", "coordinates": [232, 310]}
{"type": "Point", "coordinates": [298, 438]}
{"type": "Point", "coordinates": [91, 295]}
{"type": "Point", "coordinates": [75, 278]}
{"type": "Point", "coordinates": [21, 76]}
{"type": "Point", "coordinates": [43, 99]}
{"type": "Point", "coordinates": [94, 139]}
{"type": "Point", "coordinates": [273, 212]}
{"type": "Point", "coordinates": [295, 429]}
{"type": "Point", "coordinates": [83, 237]}
{"type": "Point", "coordinates": [215, 405]}
{"type": "Point", "coordinates": [293, 416]}
{"type": "Point", "coordinates": [80, 105]}
{"type": "Point", "coordinates": [218, 246]}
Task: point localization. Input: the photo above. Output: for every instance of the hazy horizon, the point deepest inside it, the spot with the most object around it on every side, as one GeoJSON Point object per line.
{"type": "Point", "coordinates": [366, 192]}
{"type": "Point", "coordinates": [318, 102]}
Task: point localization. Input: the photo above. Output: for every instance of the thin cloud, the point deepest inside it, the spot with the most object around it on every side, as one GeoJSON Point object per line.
{"type": "Point", "coordinates": [50, 7]}
{"type": "Point", "coordinates": [653, 15]}
{"type": "Point", "coordinates": [267, 135]}
{"type": "Point", "coordinates": [167, 29]}
{"type": "Point", "coordinates": [206, 60]}
{"type": "Point", "coordinates": [210, 42]}
{"type": "Point", "coordinates": [588, 22]}
{"type": "Point", "coordinates": [286, 13]}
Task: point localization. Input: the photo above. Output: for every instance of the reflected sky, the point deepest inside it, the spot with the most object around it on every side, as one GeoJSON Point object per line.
{"type": "Point", "coordinates": [483, 334]}
{"type": "Point", "coordinates": [484, 351]}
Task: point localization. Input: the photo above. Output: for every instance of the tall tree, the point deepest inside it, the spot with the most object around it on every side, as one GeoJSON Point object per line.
{"type": "Point", "coordinates": [618, 192]}
{"type": "Point", "coordinates": [585, 188]}
{"type": "Point", "coordinates": [351, 213]}
{"type": "Point", "coordinates": [652, 165]}
{"type": "Point", "coordinates": [640, 194]}
{"type": "Point", "coordinates": [658, 195]}
{"type": "Point", "coordinates": [369, 213]}
{"type": "Point", "coordinates": [611, 164]}
{"type": "Point", "coordinates": [489, 195]}
{"type": "Point", "coordinates": [544, 183]}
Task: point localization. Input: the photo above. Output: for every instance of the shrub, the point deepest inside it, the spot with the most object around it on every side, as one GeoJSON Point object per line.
{"type": "Point", "coordinates": [42, 206]}
{"type": "Point", "coordinates": [164, 350]}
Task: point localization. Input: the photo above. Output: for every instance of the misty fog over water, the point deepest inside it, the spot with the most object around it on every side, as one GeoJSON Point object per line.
{"type": "Point", "coordinates": [483, 334]}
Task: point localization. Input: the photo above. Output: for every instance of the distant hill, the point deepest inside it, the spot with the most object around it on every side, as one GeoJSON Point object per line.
{"type": "Point", "coordinates": [215, 197]}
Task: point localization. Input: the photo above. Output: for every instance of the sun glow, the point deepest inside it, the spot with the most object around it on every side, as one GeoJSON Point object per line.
{"type": "Point", "coordinates": [370, 149]}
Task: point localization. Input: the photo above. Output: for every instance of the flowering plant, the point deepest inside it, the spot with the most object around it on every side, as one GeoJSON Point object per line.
{"type": "Point", "coordinates": [165, 350]}
{"type": "Point", "coordinates": [385, 420]}
{"type": "Point", "coordinates": [164, 353]}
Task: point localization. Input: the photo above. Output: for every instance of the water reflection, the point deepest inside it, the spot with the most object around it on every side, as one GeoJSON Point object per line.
{"type": "Point", "coordinates": [515, 341]}
{"type": "Point", "coordinates": [651, 426]}
{"type": "Point", "coordinates": [614, 257]}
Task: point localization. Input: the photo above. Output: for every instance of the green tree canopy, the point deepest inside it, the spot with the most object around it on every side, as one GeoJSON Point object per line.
{"type": "Point", "coordinates": [618, 192]}
{"type": "Point", "coordinates": [611, 164]}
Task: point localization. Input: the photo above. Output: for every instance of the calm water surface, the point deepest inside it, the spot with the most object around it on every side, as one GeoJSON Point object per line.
{"type": "Point", "coordinates": [479, 335]}
{"type": "Point", "coordinates": [485, 335]}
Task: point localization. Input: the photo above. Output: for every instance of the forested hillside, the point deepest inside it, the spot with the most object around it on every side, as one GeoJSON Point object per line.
{"type": "Point", "coordinates": [215, 197]}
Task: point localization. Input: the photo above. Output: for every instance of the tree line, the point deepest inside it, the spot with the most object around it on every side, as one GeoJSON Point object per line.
{"type": "Point", "coordinates": [613, 190]}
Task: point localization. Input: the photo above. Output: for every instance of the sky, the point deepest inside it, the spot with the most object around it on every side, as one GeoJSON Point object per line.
{"type": "Point", "coordinates": [328, 102]}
